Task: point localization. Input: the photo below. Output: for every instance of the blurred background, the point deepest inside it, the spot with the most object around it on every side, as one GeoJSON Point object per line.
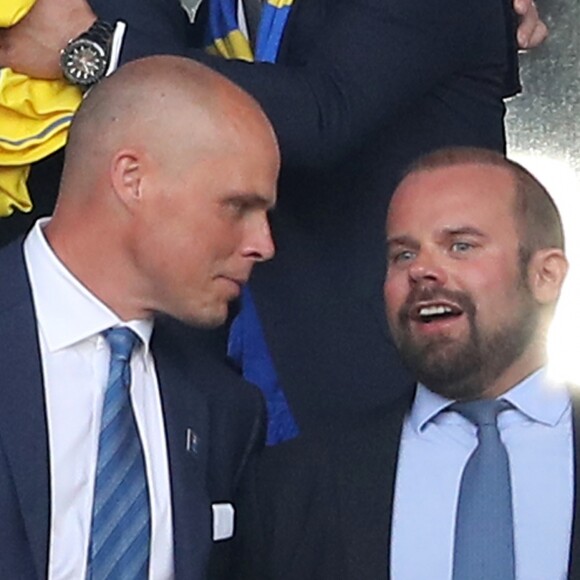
{"type": "Point", "coordinates": [543, 128]}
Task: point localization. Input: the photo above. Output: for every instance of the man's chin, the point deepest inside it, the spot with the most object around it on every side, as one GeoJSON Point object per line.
{"type": "Point", "coordinates": [439, 350]}
{"type": "Point", "coordinates": [209, 322]}
{"type": "Point", "coordinates": [208, 318]}
{"type": "Point", "coordinates": [437, 363]}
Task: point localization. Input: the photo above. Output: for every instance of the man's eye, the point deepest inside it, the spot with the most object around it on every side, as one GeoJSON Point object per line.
{"type": "Point", "coordinates": [238, 206]}
{"type": "Point", "coordinates": [403, 256]}
{"type": "Point", "coordinates": [461, 247]}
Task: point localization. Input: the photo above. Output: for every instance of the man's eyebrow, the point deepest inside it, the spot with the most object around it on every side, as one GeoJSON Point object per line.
{"type": "Point", "coordinates": [463, 231]}
{"type": "Point", "coordinates": [403, 240]}
{"type": "Point", "coordinates": [450, 231]}
{"type": "Point", "coordinates": [252, 200]}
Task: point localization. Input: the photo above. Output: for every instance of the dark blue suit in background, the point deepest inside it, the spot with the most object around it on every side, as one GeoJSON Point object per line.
{"type": "Point", "coordinates": [196, 394]}
{"type": "Point", "coordinates": [361, 88]}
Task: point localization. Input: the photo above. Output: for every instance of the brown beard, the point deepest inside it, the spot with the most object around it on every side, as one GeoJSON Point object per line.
{"type": "Point", "coordinates": [463, 370]}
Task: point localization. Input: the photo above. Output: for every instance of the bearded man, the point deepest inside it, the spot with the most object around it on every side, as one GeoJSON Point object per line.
{"type": "Point", "coordinates": [473, 478]}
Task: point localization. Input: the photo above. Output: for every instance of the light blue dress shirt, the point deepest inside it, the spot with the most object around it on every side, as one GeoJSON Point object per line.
{"type": "Point", "coordinates": [435, 447]}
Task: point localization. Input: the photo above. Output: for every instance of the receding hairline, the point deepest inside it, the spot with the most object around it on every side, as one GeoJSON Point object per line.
{"type": "Point", "coordinates": [537, 216]}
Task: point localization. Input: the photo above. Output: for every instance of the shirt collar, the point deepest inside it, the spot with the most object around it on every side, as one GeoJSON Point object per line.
{"type": "Point", "coordinates": [538, 397]}
{"type": "Point", "coordinates": [60, 297]}
{"type": "Point", "coordinates": [426, 406]}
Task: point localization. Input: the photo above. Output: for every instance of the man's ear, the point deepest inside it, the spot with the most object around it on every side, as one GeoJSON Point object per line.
{"type": "Point", "coordinates": [127, 177]}
{"type": "Point", "coordinates": [546, 273]}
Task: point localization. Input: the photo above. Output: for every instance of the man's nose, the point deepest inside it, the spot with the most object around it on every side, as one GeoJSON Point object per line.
{"type": "Point", "coordinates": [427, 268]}
{"type": "Point", "coordinates": [260, 245]}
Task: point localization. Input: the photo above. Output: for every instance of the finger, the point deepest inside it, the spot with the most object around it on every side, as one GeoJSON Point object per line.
{"type": "Point", "coordinates": [523, 6]}
{"type": "Point", "coordinates": [531, 35]}
{"type": "Point", "coordinates": [531, 30]}
{"type": "Point", "coordinates": [538, 36]}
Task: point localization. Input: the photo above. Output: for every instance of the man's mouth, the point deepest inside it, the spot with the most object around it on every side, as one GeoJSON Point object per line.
{"type": "Point", "coordinates": [239, 279]}
{"type": "Point", "coordinates": [428, 313]}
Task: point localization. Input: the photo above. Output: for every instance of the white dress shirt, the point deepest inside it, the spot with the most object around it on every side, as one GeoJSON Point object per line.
{"type": "Point", "coordinates": [435, 447]}
{"type": "Point", "coordinates": [75, 359]}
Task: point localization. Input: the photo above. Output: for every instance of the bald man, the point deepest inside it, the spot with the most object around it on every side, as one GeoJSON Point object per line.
{"type": "Point", "coordinates": [122, 456]}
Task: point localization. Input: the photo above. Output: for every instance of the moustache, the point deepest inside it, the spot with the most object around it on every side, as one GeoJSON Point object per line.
{"type": "Point", "coordinates": [428, 294]}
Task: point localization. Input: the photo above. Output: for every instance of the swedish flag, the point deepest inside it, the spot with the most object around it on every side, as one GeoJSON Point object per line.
{"type": "Point", "coordinates": [225, 36]}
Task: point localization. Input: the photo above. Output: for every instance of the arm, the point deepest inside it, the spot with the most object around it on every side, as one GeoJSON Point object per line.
{"type": "Point", "coordinates": [33, 46]}
{"type": "Point", "coordinates": [371, 62]}
{"type": "Point", "coordinates": [368, 62]}
{"type": "Point", "coordinates": [248, 557]}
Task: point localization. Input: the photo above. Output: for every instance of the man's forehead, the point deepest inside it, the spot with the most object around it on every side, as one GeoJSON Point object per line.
{"type": "Point", "coordinates": [467, 189]}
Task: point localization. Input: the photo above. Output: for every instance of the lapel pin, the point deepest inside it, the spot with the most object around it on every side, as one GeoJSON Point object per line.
{"type": "Point", "coordinates": [191, 441]}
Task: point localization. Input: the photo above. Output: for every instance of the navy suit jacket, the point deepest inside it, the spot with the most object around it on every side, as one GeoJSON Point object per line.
{"type": "Point", "coordinates": [196, 392]}
{"type": "Point", "coordinates": [326, 508]}
{"type": "Point", "coordinates": [360, 89]}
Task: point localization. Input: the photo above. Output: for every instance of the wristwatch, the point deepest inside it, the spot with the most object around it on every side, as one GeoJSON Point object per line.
{"type": "Point", "coordinates": [85, 59]}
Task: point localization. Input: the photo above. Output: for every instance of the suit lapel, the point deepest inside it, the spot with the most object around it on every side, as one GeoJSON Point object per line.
{"type": "Point", "coordinates": [23, 429]}
{"type": "Point", "coordinates": [187, 428]}
{"type": "Point", "coordinates": [574, 570]}
{"type": "Point", "coordinates": [367, 468]}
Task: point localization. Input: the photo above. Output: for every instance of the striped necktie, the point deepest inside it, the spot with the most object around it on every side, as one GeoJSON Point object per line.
{"type": "Point", "coordinates": [120, 532]}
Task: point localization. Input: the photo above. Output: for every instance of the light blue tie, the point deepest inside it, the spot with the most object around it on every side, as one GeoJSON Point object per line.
{"type": "Point", "coordinates": [120, 533]}
{"type": "Point", "coordinates": [484, 531]}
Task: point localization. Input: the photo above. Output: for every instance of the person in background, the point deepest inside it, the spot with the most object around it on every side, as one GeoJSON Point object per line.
{"type": "Point", "coordinates": [124, 451]}
{"type": "Point", "coordinates": [355, 91]}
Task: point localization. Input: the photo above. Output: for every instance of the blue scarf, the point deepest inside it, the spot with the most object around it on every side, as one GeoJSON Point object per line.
{"type": "Point", "coordinates": [247, 344]}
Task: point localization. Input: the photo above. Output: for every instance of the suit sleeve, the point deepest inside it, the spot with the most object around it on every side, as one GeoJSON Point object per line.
{"type": "Point", "coordinates": [367, 63]}
{"type": "Point", "coordinates": [249, 545]}
{"type": "Point", "coordinates": [244, 558]}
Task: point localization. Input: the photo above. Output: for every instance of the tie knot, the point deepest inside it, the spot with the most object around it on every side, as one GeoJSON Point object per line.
{"type": "Point", "coordinates": [481, 412]}
{"type": "Point", "coordinates": [122, 341]}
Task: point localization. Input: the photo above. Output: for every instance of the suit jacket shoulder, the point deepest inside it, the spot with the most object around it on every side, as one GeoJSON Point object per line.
{"type": "Point", "coordinates": [24, 476]}
{"type": "Point", "coordinates": [325, 504]}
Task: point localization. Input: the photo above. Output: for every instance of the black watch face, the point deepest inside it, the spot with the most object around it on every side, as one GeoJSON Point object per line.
{"type": "Point", "coordinates": [84, 62]}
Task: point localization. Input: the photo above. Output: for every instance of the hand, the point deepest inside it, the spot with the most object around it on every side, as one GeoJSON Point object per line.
{"type": "Point", "coordinates": [532, 31]}
{"type": "Point", "coordinates": [33, 46]}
